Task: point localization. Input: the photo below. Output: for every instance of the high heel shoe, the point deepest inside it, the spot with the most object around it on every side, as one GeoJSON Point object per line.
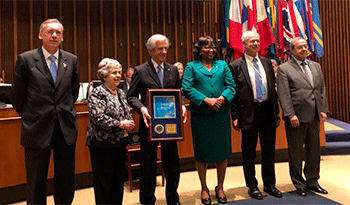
{"type": "Point", "coordinates": [206, 201]}
{"type": "Point", "coordinates": [221, 200]}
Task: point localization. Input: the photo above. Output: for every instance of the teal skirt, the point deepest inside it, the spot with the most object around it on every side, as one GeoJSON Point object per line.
{"type": "Point", "coordinates": [211, 135]}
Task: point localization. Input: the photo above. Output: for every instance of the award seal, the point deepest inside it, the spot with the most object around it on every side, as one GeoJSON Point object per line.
{"type": "Point", "coordinates": [159, 129]}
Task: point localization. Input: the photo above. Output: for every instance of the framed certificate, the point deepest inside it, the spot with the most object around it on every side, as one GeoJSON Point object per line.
{"type": "Point", "coordinates": [164, 106]}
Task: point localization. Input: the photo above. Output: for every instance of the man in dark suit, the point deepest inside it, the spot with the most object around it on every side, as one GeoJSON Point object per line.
{"type": "Point", "coordinates": [149, 75]}
{"type": "Point", "coordinates": [302, 93]}
{"type": "Point", "coordinates": [44, 89]}
{"type": "Point", "coordinates": [128, 76]}
{"type": "Point", "coordinates": [255, 113]}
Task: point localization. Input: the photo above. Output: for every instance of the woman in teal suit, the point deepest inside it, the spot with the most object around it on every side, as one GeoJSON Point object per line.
{"type": "Point", "coordinates": [208, 84]}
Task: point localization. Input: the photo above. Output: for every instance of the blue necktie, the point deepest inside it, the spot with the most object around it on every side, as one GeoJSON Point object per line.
{"type": "Point", "coordinates": [53, 68]}
{"type": "Point", "coordinates": [160, 74]}
{"type": "Point", "coordinates": [258, 82]}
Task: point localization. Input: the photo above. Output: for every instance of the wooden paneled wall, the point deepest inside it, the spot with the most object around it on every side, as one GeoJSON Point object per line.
{"type": "Point", "coordinates": [119, 29]}
{"type": "Point", "coordinates": [335, 63]}
{"type": "Point", "coordinates": [95, 29]}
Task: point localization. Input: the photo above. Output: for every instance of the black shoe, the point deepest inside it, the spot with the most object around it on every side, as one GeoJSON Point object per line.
{"type": "Point", "coordinates": [255, 193]}
{"type": "Point", "coordinates": [206, 201]}
{"type": "Point", "coordinates": [302, 192]}
{"type": "Point", "coordinates": [273, 191]}
{"type": "Point", "coordinates": [221, 200]}
{"type": "Point", "coordinates": [318, 189]}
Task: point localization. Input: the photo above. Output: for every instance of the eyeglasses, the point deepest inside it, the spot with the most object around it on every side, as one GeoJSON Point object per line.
{"type": "Point", "coordinates": [51, 32]}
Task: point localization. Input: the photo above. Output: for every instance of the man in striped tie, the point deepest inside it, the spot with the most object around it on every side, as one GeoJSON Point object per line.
{"type": "Point", "coordinates": [255, 113]}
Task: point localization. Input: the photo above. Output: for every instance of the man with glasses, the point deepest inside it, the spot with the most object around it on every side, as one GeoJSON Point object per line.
{"type": "Point", "coordinates": [302, 94]}
{"type": "Point", "coordinates": [44, 89]}
{"type": "Point", "coordinates": [255, 113]}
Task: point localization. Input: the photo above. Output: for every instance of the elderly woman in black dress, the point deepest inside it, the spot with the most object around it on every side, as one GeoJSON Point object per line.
{"type": "Point", "coordinates": [110, 119]}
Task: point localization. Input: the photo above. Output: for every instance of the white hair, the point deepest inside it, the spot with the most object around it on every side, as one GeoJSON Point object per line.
{"type": "Point", "coordinates": [104, 67]}
{"type": "Point", "coordinates": [151, 42]}
{"type": "Point", "coordinates": [248, 34]}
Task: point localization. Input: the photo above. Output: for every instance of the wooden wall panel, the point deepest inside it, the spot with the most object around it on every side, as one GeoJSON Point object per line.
{"type": "Point", "coordinates": [23, 39]}
{"type": "Point", "coordinates": [133, 30]}
{"type": "Point", "coordinates": [108, 30]}
{"type": "Point", "coordinates": [335, 62]}
{"type": "Point", "coordinates": [95, 29]}
{"type": "Point", "coordinates": [98, 29]}
{"type": "Point", "coordinates": [68, 21]}
{"type": "Point", "coordinates": [96, 53]}
{"type": "Point", "coordinates": [121, 27]}
{"type": "Point", "coordinates": [82, 40]}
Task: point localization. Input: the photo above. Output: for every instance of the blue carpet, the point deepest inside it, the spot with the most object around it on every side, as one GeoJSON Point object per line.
{"type": "Point", "coordinates": [338, 135]}
{"type": "Point", "coordinates": [288, 198]}
{"type": "Point", "coordinates": [337, 141]}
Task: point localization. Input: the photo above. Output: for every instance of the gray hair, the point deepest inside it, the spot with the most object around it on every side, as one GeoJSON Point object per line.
{"type": "Point", "coordinates": [273, 61]}
{"type": "Point", "coordinates": [151, 42]}
{"type": "Point", "coordinates": [49, 21]}
{"type": "Point", "coordinates": [248, 34]}
{"type": "Point", "coordinates": [104, 68]}
{"type": "Point", "coordinates": [178, 63]}
{"type": "Point", "coordinates": [292, 42]}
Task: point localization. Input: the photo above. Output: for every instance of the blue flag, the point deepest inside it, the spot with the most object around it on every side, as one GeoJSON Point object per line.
{"type": "Point", "coordinates": [316, 23]}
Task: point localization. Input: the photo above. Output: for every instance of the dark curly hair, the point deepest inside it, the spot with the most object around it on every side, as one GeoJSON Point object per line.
{"type": "Point", "coordinates": [202, 41]}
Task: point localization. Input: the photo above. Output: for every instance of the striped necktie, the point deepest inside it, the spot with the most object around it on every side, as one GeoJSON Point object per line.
{"type": "Point", "coordinates": [307, 72]}
{"type": "Point", "coordinates": [258, 81]}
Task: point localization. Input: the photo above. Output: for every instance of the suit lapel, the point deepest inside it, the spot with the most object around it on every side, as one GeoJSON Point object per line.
{"type": "Point", "coordinates": [62, 67]}
{"type": "Point", "coordinates": [166, 74]}
{"type": "Point", "coordinates": [314, 72]}
{"type": "Point", "coordinates": [153, 74]}
{"type": "Point", "coordinates": [265, 66]}
{"type": "Point", "coordinates": [294, 63]}
{"type": "Point", "coordinates": [41, 65]}
{"type": "Point", "coordinates": [245, 71]}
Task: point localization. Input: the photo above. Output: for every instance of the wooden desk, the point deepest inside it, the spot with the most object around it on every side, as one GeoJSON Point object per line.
{"type": "Point", "coordinates": [12, 167]}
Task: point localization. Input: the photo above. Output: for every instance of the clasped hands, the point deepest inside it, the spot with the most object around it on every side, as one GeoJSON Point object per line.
{"type": "Point", "coordinates": [214, 103]}
{"type": "Point", "coordinates": [127, 125]}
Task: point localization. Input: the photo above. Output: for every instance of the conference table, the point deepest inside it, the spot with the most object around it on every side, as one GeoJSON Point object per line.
{"type": "Point", "coordinates": [12, 166]}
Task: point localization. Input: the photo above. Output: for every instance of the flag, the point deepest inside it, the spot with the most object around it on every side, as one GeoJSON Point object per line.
{"type": "Point", "coordinates": [248, 15]}
{"type": "Point", "coordinates": [316, 23]}
{"type": "Point", "coordinates": [271, 14]}
{"type": "Point", "coordinates": [298, 13]}
{"type": "Point", "coordinates": [308, 25]}
{"type": "Point", "coordinates": [226, 23]}
{"type": "Point", "coordinates": [235, 35]}
{"type": "Point", "coordinates": [289, 24]}
{"type": "Point", "coordinates": [263, 28]}
{"type": "Point", "coordinates": [303, 19]}
{"type": "Point", "coordinates": [281, 7]}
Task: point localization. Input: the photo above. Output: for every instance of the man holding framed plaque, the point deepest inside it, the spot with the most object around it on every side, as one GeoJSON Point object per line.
{"type": "Point", "coordinates": [156, 74]}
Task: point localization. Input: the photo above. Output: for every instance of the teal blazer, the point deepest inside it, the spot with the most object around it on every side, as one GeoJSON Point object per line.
{"type": "Point", "coordinates": [198, 83]}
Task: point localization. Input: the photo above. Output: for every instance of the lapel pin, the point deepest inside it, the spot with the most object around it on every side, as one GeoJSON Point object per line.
{"type": "Point", "coordinates": [64, 65]}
